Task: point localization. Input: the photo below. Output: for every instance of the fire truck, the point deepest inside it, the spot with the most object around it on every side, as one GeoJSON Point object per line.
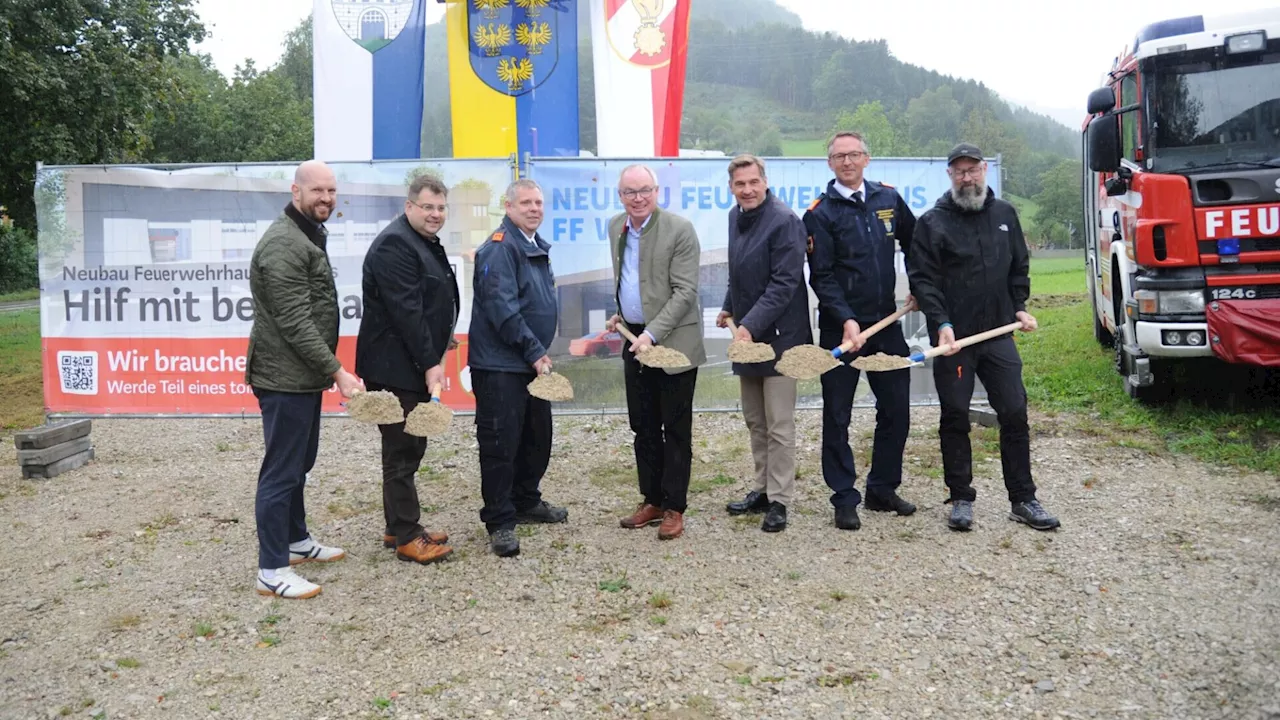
{"type": "Point", "coordinates": [1181, 194]}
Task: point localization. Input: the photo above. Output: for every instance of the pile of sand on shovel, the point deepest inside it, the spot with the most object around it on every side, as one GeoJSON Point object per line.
{"type": "Point", "coordinates": [428, 419]}
{"type": "Point", "coordinates": [744, 352]}
{"type": "Point", "coordinates": [880, 362]}
{"type": "Point", "coordinates": [378, 407]}
{"type": "Point", "coordinates": [806, 362]}
{"type": "Point", "coordinates": [552, 387]}
{"type": "Point", "coordinates": [658, 356]}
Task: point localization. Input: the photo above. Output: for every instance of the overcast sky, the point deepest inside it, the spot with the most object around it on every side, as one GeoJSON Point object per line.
{"type": "Point", "coordinates": [1049, 66]}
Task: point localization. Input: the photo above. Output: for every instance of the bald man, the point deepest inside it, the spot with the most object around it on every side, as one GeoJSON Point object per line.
{"type": "Point", "coordinates": [290, 364]}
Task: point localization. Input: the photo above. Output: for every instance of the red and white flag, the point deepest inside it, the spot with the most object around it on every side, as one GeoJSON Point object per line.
{"type": "Point", "coordinates": [639, 49]}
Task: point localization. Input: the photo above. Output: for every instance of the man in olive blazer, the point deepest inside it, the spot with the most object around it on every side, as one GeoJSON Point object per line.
{"type": "Point", "coordinates": [655, 270]}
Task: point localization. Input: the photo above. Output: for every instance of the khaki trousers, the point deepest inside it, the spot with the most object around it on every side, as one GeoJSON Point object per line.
{"type": "Point", "coordinates": [769, 407]}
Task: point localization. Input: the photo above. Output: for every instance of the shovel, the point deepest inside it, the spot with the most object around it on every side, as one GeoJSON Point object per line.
{"type": "Point", "coordinates": [656, 356]}
{"type": "Point", "coordinates": [429, 419]}
{"type": "Point", "coordinates": [880, 362]}
{"type": "Point", "coordinates": [551, 386]}
{"type": "Point", "coordinates": [748, 352]}
{"type": "Point", "coordinates": [805, 362]}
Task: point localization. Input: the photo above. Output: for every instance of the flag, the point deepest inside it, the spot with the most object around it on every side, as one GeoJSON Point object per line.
{"type": "Point", "coordinates": [513, 77]}
{"type": "Point", "coordinates": [639, 49]}
{"type": "Point", "coordinates": [369, 75]}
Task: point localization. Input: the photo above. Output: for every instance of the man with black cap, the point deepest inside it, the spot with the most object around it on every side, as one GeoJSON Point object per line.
{"type": "Point", "coordinates": [853, 229]}
{"type": "Point", "coordinates": [969, 273]}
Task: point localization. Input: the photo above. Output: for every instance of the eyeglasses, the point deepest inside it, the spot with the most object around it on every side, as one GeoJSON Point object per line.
{"type": "Point", "coordinates": [428, 207]}
{"type": "Point", "coordinates": [974, 172]}
{"type": "Point", "coordinates": [840, 158]}
{"type": "Point", "coordinates": [643, 192]}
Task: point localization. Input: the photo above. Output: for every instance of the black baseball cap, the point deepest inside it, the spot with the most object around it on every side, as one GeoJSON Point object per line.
{"type": "Point", "coordinates": [965, 150]}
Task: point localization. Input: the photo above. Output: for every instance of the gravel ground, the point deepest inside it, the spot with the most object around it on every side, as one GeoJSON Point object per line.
{"type": "Point", "coordinates": [126, 591]}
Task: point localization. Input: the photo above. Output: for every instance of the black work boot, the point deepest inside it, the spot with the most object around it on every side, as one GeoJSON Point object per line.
{"type": "Point", "coordinates": [542, 513]}
{"type": "Point", "coordinates": [847, 518]}
{"type": "Point", "coordinates": [1031, 513]}
{"type": "Point", "coordinates": [754, 502]}
{"type": "Point", "coordinates": [889, 503]}
{"type": "Point", "coordinates": [776, 519]}
{"type": "Point", "coordinates": [961, 515]}
{"type": "Point", "coordinates": [504, 543]}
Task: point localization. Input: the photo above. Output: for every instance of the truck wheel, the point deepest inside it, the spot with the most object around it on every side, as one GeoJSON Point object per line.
{"type": "Point", "coordinates": [1100, 332]}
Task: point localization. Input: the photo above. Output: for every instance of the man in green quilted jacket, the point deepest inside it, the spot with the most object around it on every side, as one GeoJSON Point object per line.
{"type": "Point", "coordinates": [290, 364]}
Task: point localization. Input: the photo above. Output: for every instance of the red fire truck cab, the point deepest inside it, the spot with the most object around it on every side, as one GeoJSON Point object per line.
{"type": "Point", "coordinates": [1182, 198]}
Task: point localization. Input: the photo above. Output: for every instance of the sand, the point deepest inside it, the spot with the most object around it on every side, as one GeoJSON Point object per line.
{"type": "Point", "coordinates": [658, 356]}
{"type": "Point", "coordinates": [806, 362]}
{"type": "Point", "coordinates": [880, 362]}
{"type": "Point", "coordinates": [428, 419]}
{"type": "Point", "coordinates": [377, 406]}
{"type": "Point", "coordinates": [553, 387]}
{"type": "Point", "coordinates": [750, 352]}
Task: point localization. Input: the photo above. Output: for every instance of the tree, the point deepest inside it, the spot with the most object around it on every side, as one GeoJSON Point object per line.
{"type": "Point", "coordinates": [1061, 213]}
{"type": "Point", "coordinates": [933, 115]}
{"type": "Point", "coordinates": [871, 122]}
{"type": "Point", "coordinates": [81, 78]}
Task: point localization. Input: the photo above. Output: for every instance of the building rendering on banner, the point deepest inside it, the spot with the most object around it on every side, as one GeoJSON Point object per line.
{"type": "Point", "coordinates": [512, 77]}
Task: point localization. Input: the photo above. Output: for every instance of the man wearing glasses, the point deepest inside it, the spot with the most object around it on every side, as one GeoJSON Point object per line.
{"type": "Point", "coordinates": [852, 229]}
{"type": "Point", "coordinates": [969, 270]}
{"type": "Point", "coordinates": [655, 271]}
{"type": "Point", "coordinates": [411, 306]}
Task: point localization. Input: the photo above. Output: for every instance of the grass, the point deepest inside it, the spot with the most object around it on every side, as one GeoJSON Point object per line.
{"type": "Point", "coordinates": [20, 296]}
{"type": "Point", "coordinates": [1065, 370]}
{"type": "Point", "coordinates": [1058, 276]}
{"type": "Point", "coordinates": [21, 382]}
{"type": "Point", "coordinates": [804, 148]}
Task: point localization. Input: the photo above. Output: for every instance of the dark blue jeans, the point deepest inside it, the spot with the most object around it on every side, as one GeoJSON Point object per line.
{"type": "Point", "coordinates": [893, 419]}
{"type": "Point", "coordinates": [291, 429]}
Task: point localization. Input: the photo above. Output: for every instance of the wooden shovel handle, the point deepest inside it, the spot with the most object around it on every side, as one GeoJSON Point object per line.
{"type": "Point", "coordinates": [435, 393]}
{"type": "Point", "coordinates": [972, 339]}
{"type": "Point", "coordinates": [626, 333]}
{"type": "Point", "coordinates": [733, 329]}
{"type": "Point", "coordinates": [846, 347]}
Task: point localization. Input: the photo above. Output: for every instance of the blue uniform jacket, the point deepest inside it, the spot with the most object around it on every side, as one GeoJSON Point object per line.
{"type": "Point", "coordinates": [851, 252]}
{"type": "Point", "coordinates": [513, 303]}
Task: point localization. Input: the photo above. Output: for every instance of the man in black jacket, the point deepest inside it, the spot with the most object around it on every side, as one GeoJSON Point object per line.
{"type": "Point", "coordinates": [513, 321]}
{"type": "Point", "coordinates": [969, 272]}
{"type": "Point", "coordinates": [852, 230]}
{"type": "Point", "coordinates": [767, 299]}
{"type": "Point", "coordinates": [411, 306]}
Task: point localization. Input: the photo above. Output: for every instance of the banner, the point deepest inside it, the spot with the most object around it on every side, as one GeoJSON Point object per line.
{"type": "Point", "coordinates": [144, 275]}
{"type": "Point", "coordinates": [368, 77]}
{"type": "Point", "coordinates": [144, 272]}
{"type": "Point", "coordinates": [639, 49]}
{"type": "Point", "coordinates": [513, 77]}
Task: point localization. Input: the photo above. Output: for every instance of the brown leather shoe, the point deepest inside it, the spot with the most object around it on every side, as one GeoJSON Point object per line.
{"type": "Point", "coordinates": [645, 514]}
{"type": "Point", "coordinates": [435, 537]}
{"type": "Point", "coordinates": [672, 525]}
{"type": "Point", "coordinates": [421, 551]}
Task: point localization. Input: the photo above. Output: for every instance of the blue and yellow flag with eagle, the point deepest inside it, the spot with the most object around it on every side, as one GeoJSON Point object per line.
{"type": "Point", "coordinates": [513, 77]}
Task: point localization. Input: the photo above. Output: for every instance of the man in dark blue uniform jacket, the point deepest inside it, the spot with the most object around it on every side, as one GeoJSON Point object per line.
{"type": "Point", "coordinates": [513, 321]}
{"type": "Point", "coordinates": [852, 229]}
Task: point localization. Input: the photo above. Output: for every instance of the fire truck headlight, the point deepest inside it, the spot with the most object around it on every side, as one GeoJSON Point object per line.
{"type": "Point", "coordinates": [1195, 338]}
{"type": "Point", "coordinates": [1172, 337]}
{"type": "Point", "coordinates": [1247, 42]}
{"type": "Point", "coordinates": [1181, 302]}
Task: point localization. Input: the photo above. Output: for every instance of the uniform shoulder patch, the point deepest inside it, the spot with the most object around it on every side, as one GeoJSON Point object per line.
{"type": "Point", "coordinates": [497, 237]}
{"type": "Point", "coordinates": [815, 203]}
{"type": "Point", "coordinates": [885, 184]}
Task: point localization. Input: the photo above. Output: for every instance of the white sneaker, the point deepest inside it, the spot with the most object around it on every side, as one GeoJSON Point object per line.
{"type": "Point", "coordinates": [311, 551]}
{"type": "Point", "coordinates": [288, 585]}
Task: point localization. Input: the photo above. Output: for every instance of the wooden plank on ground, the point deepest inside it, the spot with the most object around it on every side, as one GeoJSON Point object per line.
{"type": "Point", "coordinates": [50, 435]}
{"type": "Point", "coordinates": [48, 455]}
{"type": "Point", "coordinates": [55, 469]}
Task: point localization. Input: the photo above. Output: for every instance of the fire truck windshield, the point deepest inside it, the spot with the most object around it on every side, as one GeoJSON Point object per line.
{"type": "Point", "coordinates": [1211, 109]}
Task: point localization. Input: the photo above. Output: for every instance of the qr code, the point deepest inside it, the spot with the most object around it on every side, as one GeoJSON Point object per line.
{"type": "Point", "coordinates": [79, 372]}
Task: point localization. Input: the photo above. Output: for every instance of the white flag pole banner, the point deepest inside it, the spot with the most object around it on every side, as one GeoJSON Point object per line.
{"type": "Point", "coordinates": [144, 271]}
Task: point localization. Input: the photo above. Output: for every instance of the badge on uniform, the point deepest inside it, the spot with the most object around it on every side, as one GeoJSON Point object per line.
{"type": "Point", "coordinates": [810, 248]}
{"type": "Point", "coordinates": [886, 217]}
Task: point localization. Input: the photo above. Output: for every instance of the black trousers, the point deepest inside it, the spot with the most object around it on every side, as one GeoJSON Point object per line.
{"type": "Point", "coordinates": [291, 431]}
{"type": "Point", "coordinates": [660, 408]}
{"type": "Point", "coordinates": [997, 364]}
{"type": "Point", "coordinates": [401, 457]}
{"type": "Point", "coordinates": [513, 429]}
{"type": "Point", "coordinates": [893, 419]}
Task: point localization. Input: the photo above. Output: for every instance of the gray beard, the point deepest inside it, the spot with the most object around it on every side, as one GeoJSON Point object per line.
{"type": "Point", "coordinates": [970, 199]}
